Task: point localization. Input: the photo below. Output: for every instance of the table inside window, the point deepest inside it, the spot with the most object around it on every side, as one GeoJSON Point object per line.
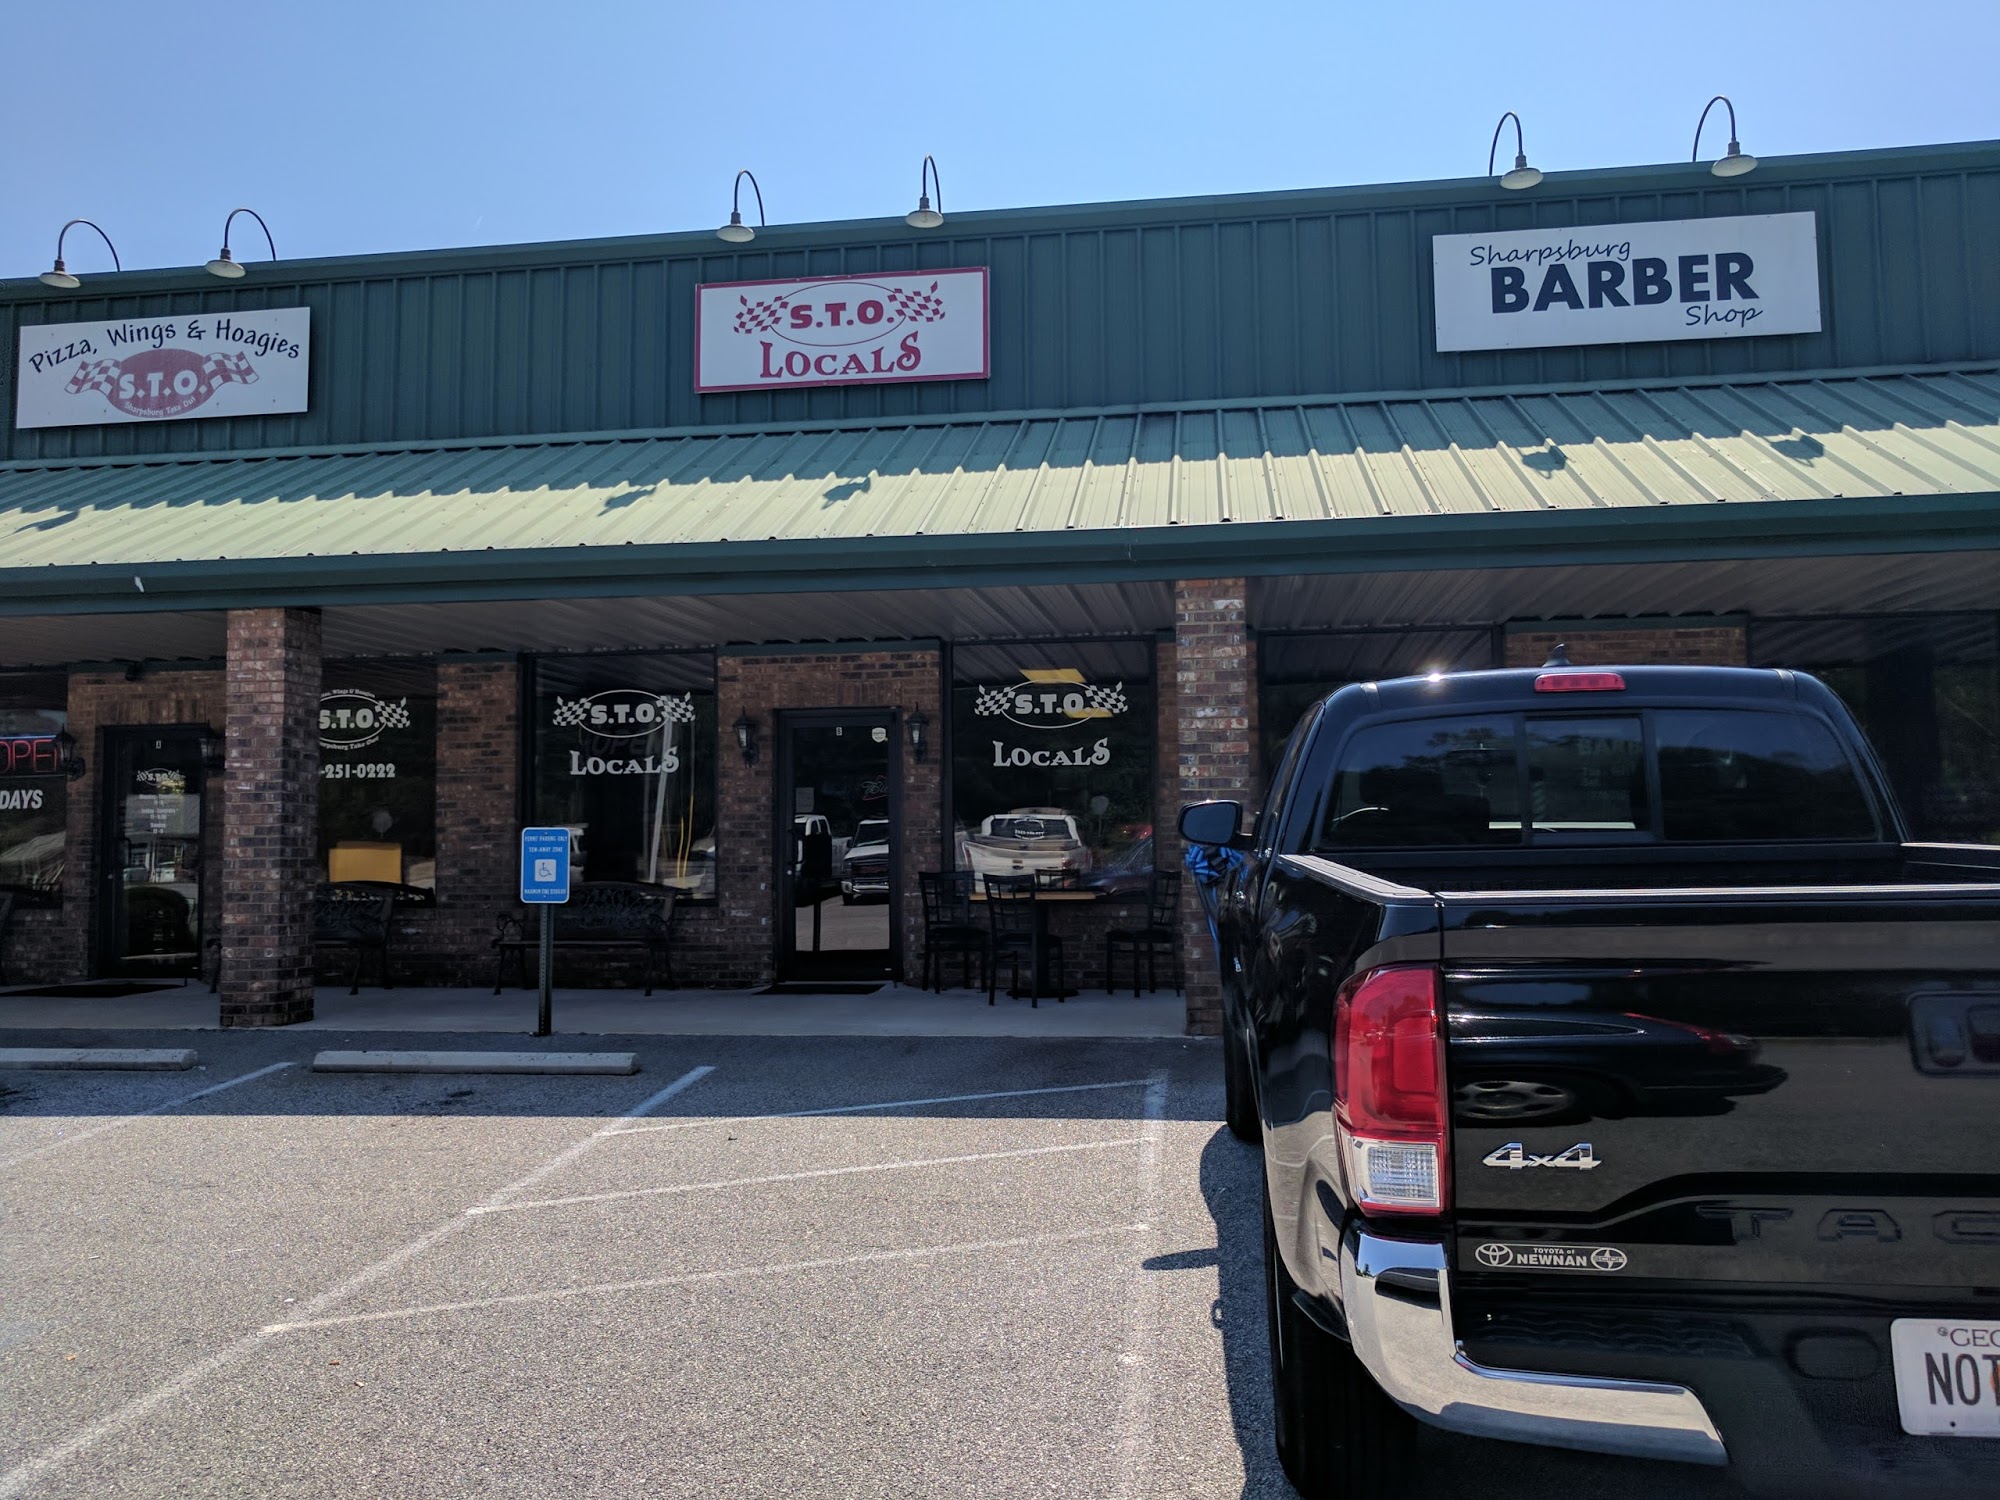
{"type": "Point", "coordinates": [1044, 987]}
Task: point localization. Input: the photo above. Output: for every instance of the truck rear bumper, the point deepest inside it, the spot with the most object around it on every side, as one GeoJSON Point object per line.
{"type": "Point", "coordinates": [1402, 1333]}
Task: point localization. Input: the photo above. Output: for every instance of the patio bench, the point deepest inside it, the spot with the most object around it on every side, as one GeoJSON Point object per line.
{"type": "Point", "coordinates": [352, 914]}
{"type": "Point", "coordinates": [612, 915]}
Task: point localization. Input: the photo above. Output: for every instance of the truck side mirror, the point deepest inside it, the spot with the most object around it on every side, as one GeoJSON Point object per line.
{"type": "Point", "coordinates": [1215, 823]}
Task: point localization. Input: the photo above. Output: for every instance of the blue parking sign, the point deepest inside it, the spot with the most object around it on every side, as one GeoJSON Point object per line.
{"type": "Point", "coordinates": [544, 865]}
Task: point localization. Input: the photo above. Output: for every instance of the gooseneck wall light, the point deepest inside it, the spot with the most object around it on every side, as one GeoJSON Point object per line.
{"type": "Point", "coordinates": [58, 275]}
{"type": "Point", "coordinates": [1521, 175]}
{"type": "Point", "coordinates": [224, 265]}
{"type": "Point", "coordinates": [923, 216]}
{"type": "Point", "coordinates": [1735, 161]}
{"type": "Point", "coordinates": [736, 231]}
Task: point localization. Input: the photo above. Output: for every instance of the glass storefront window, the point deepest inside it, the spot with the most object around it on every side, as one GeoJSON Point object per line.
{"type": "Point", "coordinates": [1053, 759]}
{"type": "Point", "coordinates": [34, 785]}
{"type": "Point", "coordinates": [378, 772]}
{"type": "Point", "coordinates": [1295, 671]}
{"type": "Point", "coordinates": [1926, 689]}
{"type": "Point", "coordinates": [623, 755]}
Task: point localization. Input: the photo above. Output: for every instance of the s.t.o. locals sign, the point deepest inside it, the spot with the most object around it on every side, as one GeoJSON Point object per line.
{"type": "Point", "coordinates": [229, 364]}
{"type": "Point", "coordinates": [1627, 283]}
{"type": "Point", "coordinates": [841, 330]}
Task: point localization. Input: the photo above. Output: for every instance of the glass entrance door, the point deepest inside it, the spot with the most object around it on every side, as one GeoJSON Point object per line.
{"type": "Point", "coordinates": [836, 845]}
{"type": "Point", "coordinates": [150, 853]}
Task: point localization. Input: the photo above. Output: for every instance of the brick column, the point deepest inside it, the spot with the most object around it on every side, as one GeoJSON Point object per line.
{"type": "Point", "coordinates": [270, 829]}
{"type": "Point", "coordinates": [478, 782]}
{"type": "Point", "coordinates": [1215, 749]}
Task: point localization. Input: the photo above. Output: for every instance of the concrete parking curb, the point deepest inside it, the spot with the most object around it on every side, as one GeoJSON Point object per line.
{"type": "Point", "coordinates": [114, 1059]}
{"type": "Point", "coordinates": [476, 1062]}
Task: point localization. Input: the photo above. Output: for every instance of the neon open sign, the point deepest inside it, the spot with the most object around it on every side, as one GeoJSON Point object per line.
{"type": "Point", "coordinates": [30, 755]}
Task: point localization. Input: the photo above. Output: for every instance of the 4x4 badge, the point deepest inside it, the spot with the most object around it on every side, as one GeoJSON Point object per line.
{"type": "Point", "coordinates": [1512, 1157]}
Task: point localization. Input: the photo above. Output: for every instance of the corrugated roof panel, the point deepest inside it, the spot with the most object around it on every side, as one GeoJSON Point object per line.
{"type": "Point", "coordinates": [1926, 434]}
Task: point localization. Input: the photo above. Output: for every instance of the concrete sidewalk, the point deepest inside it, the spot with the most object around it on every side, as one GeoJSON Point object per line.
{"type": "Point", "coordinates": [893, 1010]}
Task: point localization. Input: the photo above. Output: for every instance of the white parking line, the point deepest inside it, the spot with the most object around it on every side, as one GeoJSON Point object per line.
{"type": "Point", "coordinates": [15, 1479]}
{"type": "Point", "coordinates": [124, 1120]}
{"type": "Point", "coordinates": [694, 1278]}
{"type": "Point", "coordinates": [855, 1109]}
{"type": "Point", "coordinates": [1140, 1359]}
{"type": "Point", "coordinates": [735, 1182]}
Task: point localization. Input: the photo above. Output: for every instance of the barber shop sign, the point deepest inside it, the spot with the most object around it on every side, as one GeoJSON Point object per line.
{"type": "Point", "coordinates": [841, 330]}
{"type": "Point", "coordinates": [1722, 278]}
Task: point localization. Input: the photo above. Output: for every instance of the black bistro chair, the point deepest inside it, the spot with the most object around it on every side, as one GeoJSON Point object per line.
{"type": "Point", "coordinates": [949, 927]}
{"type": "Point", "coordinates": [1162, 930]}
{"type": "Point", "coordinates": [1014, 932]}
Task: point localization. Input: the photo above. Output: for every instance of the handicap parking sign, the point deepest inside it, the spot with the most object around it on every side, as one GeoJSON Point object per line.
{"type": "Point", "coordinates": [544, 865]}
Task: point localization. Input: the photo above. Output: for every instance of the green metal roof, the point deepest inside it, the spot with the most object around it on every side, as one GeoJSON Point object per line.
{"type": "Point", "coordinates": [1465, 480]}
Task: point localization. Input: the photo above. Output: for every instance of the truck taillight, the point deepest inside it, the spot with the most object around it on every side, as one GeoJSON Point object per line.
{"type": "Point", "coordinates": [1389, 1098]}
{"type": "Point", "coordinates": [1579, 682]}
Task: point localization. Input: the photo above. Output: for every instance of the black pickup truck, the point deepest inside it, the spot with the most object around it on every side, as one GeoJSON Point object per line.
{"type": "Point", "coordinates": [1626, 1081]}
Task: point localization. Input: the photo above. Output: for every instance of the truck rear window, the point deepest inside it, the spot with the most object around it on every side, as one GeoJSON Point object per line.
{"type": "Point", "coordinates": [1682, 775]}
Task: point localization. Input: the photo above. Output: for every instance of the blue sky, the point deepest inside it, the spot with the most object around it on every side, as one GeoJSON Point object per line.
{"type": "Point", "coordinates": [364, 126]}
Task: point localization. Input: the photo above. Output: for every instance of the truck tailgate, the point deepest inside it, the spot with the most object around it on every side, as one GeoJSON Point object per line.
{"type": "Point", "coordinates": [1789, 1089]}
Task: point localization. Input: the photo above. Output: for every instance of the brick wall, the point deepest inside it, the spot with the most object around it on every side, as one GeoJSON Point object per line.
{"type": "Point", "coordinates": [271, 816]}
{"type": "Point", "coordinates": [738, 943]}
{"type": "Point", "coordinates": [1214, 738]}
{"type": "Point", "coordinates": [1607, 645]}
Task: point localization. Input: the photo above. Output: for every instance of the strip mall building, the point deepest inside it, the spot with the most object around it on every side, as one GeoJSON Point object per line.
{"type": "Point", "coordinates": [974, 546]}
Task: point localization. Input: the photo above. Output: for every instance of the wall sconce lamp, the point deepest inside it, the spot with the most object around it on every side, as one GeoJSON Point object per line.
{"type": "Point", "coordinates": [919, 724]}
{"type": "Point", "coordinates": [223, 265]}
{"type": "Point", "coordinates": [923, 216]}
{"type": "Point", "coordinates": [1522, 175]}
{"type": "Point", "coordinates": [72, 762]}
{"type": "Point", "coordinates": [736, 231]}
{"type": "Point", "coordinates": [1732, 163]}
{"type": "Point", "coordinates": [746, 738]}
{"type": "Point", "coordinates": [57, 276]}
{"type": "Point", "coordinates": [214, 751]}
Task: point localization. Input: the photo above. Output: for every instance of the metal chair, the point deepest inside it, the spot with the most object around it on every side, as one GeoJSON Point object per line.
{"type": "Point", "coordinates": [1014, 930]}
{"type": "Point", "coordinates": [949, 926]}
{"type": "Point", "coordinates": [1162, 930]}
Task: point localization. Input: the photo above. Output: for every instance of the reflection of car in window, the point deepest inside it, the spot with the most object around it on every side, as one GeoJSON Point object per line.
{"type": "Point", "coordinates": [1127, 873]}
{"type": "Point", "coordinates": [864, 871]}
{"type": "Point", "coordinates": [1025, 841]}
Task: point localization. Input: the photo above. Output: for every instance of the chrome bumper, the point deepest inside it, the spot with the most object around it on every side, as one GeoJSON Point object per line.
{"type": "Point", "coordinates": [1406, 1342]}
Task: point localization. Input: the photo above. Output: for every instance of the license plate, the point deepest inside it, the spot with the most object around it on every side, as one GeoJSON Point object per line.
{"type": "Point", "coordinates": [1947, 1376]}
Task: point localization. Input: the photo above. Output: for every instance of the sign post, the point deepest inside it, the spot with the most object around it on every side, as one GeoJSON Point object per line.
{"type": "Point", "coordinates": [545, 883]}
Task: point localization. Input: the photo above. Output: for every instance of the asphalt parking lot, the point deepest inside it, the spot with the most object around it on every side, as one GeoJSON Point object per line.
{"type": "Point", "coordinates": [798, 1266]}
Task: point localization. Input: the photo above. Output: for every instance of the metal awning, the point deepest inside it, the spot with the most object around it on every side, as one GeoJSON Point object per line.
{"type": "Point", "coordinates": [1636, 475]}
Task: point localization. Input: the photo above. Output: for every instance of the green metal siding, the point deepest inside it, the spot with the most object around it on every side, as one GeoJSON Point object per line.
{"type": "Point", "coordinates": [1266, 298]}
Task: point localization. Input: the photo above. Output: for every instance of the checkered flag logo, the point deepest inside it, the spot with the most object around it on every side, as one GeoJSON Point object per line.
{"type": "Point", "coordinates": [917, 305]}
{"type": "Point", "coordinates": [760, 317]}
{"type": "Point", "coordinates": [992, 701]}
{"type": "Point", "coordinates": [227, 369]}
{"type": "Point", "coordinates": [570, 712]}
{"type": "Point", "coordinates": [393, 715]}
{"type": "Point", "coordinates": [94, 375]}
{"type": "Point", "coordinates": [1110, 699]}
{"type": "Point", "coordinates": [678, 710]}
{"type": "Point", "coordinates": [216, 369]}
